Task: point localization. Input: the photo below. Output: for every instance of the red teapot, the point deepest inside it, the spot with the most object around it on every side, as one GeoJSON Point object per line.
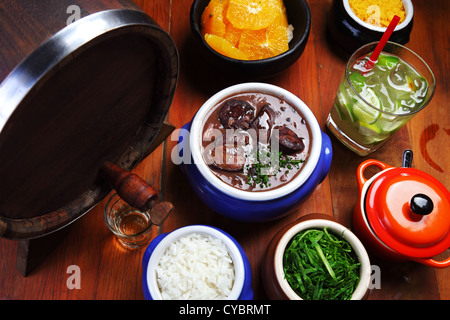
{"type": "Point", "coordinates": [402, 214]}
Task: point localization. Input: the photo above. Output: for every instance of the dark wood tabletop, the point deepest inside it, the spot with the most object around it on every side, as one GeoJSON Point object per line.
{"type": "Point", "coordinates": [109, 271]}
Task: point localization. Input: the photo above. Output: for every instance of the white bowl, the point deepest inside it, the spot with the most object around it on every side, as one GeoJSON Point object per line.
{"type": "Point", "coordinates": [308, 167]}
{"type": "Point", "coordinates": [236, 254]}
{"type": "Point", "coordinates": [279, 288]}
{"type": "Point", "coordinates": [407, 5]}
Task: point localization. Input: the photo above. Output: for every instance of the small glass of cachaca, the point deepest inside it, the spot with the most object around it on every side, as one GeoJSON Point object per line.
{"type": "Point", "coordinates": [376, 99]}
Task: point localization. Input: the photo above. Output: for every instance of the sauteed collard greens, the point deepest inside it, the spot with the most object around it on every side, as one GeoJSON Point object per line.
{"type": "Point", "coordinates": [318, 265]}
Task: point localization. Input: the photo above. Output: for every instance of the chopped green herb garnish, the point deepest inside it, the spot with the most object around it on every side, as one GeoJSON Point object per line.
{"type": "Point", "coordinates": [267, 164]}
{"type": "Point", "coordinates": [319, 265]}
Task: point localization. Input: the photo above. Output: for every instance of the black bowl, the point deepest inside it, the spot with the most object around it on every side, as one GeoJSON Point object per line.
{"type": "Point", "coordinates": [299, 16]}
{"type": "Point", "coordinates": [349, 33]}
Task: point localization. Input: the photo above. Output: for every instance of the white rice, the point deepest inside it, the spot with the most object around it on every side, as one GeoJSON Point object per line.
{"type": "Point", "coordinates": [195, 267]}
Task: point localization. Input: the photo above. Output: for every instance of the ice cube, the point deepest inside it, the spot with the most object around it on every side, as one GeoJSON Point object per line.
{"type": "Point", "coordinates": [398, 75]}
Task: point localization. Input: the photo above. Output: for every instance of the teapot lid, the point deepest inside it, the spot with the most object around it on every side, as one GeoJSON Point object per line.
{"type": "Point", "coordinates": [409, 211]}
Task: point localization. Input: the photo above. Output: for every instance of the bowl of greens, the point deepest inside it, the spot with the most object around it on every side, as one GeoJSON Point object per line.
{"type": "Point", "coordinates": [316, 258]}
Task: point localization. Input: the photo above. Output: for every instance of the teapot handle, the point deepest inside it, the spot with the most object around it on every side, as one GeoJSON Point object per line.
{"type": "Point", "coordinates": [364, 165]}
{"type": "Point", "coordinates": [433, 263]}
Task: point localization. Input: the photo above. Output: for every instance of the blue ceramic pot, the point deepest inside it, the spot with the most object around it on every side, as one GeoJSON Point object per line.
{"type": "Point", "coordinates": [253, 206]}
{"type": "Point", "coordinates": [242, 289]}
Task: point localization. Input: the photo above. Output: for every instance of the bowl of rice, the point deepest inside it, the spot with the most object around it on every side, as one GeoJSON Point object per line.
{"type": "Point", "coordinates": [196, 262]}
{"type": "Point", "coordinates": [354, 23]}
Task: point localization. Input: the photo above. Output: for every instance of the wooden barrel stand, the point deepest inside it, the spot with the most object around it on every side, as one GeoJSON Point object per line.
{"type": "Point", "coordinates": [82, 104]}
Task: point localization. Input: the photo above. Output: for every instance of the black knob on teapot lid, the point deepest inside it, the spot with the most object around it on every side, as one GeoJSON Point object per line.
{"type": "Point", "coordinates": [421, 204]}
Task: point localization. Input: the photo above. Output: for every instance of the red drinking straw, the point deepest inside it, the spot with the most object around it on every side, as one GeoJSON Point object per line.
{"type": "Point", "coordinates": [387, 34]}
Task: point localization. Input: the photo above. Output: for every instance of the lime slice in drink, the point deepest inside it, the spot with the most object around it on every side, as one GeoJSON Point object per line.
{"type": "Point", "coordinates": [390, 124]}
{"type": "Point", "coordinates": [388, 61]}
{"type": "Point", "coordinates": [343, 105]}
{"type": "Point", "coordinates": [366, 113]}
{"type": "Point", "coordinates": [371, 133]}
{"type": "Point", "coordinates": [369, 129]}
{"type": "Point", "coordinates": [358, 81]}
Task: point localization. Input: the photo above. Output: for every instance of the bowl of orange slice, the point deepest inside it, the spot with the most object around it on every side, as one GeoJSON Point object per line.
{"type": "Point", "coordinates": [252, 38]}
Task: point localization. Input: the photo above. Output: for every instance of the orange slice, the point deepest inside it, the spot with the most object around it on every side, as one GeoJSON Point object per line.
{"type": "Point", "coordinates": [281, 18]}
{"type": "Point", "coordinates": [224, 47]}
{"type": "Point", "coordinates": [232, 34]}
{"type": "Point", "coordinates": [246, 29]}
{"type": "Point", "coordinates": [252, 14]}
{"type": "Point", "coordinates": [212, 18]}
{"type": "Point", "coordinates": [263, 44]}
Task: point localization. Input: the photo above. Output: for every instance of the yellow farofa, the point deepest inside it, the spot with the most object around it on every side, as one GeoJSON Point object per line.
{"type": "Point", "coordinates": [378, 12]}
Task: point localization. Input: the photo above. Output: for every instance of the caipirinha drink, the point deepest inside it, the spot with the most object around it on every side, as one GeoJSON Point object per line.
{"type": "Point", "coordinates": [373, 103]}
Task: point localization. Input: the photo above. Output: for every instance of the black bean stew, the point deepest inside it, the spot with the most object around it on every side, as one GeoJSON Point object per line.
{"type": "Point", "coordinates": [255, 141]}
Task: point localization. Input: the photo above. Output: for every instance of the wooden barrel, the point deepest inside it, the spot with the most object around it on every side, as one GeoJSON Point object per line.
{"type": "Point", "coordinates": [86, 87]}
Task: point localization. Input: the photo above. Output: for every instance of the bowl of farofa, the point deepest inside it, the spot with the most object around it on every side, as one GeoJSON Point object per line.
{"type": "Point", "coordinates": [354, 23]}
{"type": "Point", "coordinates": [337, 262]}
{"type": "Point", "coordinates": [298, 23]}
{"type": "Point", "coordinates": [196, 262]}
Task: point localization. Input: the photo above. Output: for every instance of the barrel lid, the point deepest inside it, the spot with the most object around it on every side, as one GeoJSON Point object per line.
{"type": "Point", "coordinates": [98, 90]}
{"type": "Point", "coordinates": [409, 210]}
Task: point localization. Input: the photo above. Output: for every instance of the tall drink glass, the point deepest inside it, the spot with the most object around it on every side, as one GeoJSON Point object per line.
{"type": "Point", "coordinates": [370, 106]}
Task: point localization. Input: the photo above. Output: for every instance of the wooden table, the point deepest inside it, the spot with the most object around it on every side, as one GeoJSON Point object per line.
{"type": "Point", "coordinates": [111, 272]}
